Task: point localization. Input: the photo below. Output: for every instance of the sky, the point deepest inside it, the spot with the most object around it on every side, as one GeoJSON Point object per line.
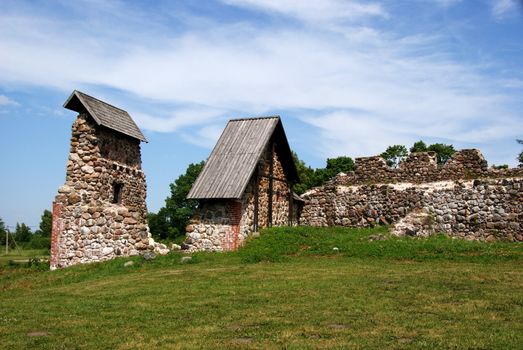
{"type": "Point", "coordinates": [347, 77]}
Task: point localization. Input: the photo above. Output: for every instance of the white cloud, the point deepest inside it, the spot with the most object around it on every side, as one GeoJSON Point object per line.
{"type": "Point", "coordinates": [316, 10]}
{"type": "Point", "coordinates": [447, 3]}
{"type": "Point", "coordinates": [503, 8]}
{"type": "Point", "coordinates": [181, 118]}
{"type": "Point", "coordinates": [5, 101]}
{"type": "Point", "coordinates": [204, 137]}
{"type": "Point", "coordinates": [366, 88]}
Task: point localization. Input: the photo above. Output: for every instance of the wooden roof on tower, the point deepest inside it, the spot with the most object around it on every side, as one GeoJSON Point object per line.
{"type": "Point", "coordinates": [233, 160]}
{"type": "Point", "coordinates": [104, 114]}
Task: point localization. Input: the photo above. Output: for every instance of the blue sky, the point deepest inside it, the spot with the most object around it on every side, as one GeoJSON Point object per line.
{"type": "Point", "coordinates": [347, 77]}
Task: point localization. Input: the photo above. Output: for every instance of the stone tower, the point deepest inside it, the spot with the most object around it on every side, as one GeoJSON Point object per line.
{"type": "Point", "coordinates": [100, 212]}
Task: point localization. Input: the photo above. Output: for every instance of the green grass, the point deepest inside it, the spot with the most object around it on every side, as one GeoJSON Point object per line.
{"type": "Point", "coordinates": [19, 255]}
{"type": "Point", "coordinates": [285, 289]}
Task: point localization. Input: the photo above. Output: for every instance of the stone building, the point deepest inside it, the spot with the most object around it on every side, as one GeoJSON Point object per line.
{"type": "Point", "coordinates": [463, 198]}
{"type": "Point", "coordinates": [100, 211]}
{"type": "Point", "coordinates": [246, 184]}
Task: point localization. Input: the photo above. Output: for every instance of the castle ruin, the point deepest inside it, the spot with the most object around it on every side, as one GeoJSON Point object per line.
{"type": "Point", "coordinates": [463, 198]}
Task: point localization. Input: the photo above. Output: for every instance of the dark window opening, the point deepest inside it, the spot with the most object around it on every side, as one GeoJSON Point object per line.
{"type": "Point", "coordinates": [117, 193]}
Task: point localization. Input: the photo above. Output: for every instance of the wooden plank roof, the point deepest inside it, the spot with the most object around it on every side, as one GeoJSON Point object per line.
{"type": "Point", "coordinates": [233, 160]}
{"type": "Point", "coordinates": [104, 114]}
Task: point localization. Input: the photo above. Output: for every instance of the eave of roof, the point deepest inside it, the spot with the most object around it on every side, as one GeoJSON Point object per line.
{"type": "Point", "coordinates": [104, 114]}
{"type": "Point", "coordinates": [235, 156]}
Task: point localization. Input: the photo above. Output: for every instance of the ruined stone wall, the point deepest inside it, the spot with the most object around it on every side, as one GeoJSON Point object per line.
{"type": "Point", "coordinates": [87, 225]}
{"type": "Point", "coordinates": [422, 167]}
{"type": "Point", "coordinates": [463, 198]}
{"type": "Point", "coordinates": [220, 225]}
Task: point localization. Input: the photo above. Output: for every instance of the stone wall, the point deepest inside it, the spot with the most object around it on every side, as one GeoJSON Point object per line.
{"type": "Point", "coordinates": [89, 224]}
{"type": "Point", "coordinates": [463, 198]}
{"type": "Point", "coordinates": [422, 167]}
{"type": "Point", "coordinates": [220, 225]}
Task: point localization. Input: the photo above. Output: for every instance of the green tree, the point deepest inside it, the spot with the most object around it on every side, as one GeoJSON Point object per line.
{"type": "Point", "coordinates": [310, 178]}
{"type": "Point", "coordinates": [520, 156]}
{"type": "Point", "coordinates": [171, 220]}
{"type": "Point", "coordinates": [305, 173]}
{"type": "Point", "coordinates": [159, 224]}
{"type": "Point", "coordinates": [3, 232]}
{"type": "Point", "coordinates": [419, 146]}
{"type": "Point", "coordinates": [394, 155]}
{"type": "Point", "coordinates": [443, 152]}
{"type": "Point", "coordinates": [23, 233]}
{"type": "Point", "coordinates": [46, 224]}
{"type": "Point", "coordinates": [334, 166]}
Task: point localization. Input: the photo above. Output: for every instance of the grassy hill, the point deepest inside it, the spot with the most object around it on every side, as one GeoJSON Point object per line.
{"type": "Point", "coordinates": [290, 288]}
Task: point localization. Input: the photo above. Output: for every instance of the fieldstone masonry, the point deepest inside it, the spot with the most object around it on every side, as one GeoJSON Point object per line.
{"type": "Point", "coordinates": [100, 211]}
{"type": "Point", "coordinates": [224, 224]}
{"type": "Point", "coordinates": [463, 198]}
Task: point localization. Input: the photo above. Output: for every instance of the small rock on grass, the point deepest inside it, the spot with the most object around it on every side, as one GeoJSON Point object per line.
{"type": "Point", "coordinates": [128, 264]}
{"type": "Point", "coordinates": [185, 259]}
{"type": "Point", "coordinates": [149, 256]}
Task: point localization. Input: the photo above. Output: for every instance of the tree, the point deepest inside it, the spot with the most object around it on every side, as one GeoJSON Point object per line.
{"type": "Point", "coordinates": [334, 167]}
{"type": "Point", "coordinates": [3, 232]}
{"type": "Point", "coordinates": [340, 165]}
{"type": "Point", "coordinates": [419, 146]}
{"type": "Point", "coordinates": [171, 220]}
{"type": "Point", "coordinates": [23, 233]}
{"type": "Point", "coordinates": [46, 224]}
{"type": "Point", "coordinates": [394, 155]}
{"type": "Point", "coordinates": [159, 224]}
{"type": "Point", "coordinates": [310, 178]}
{"type": "Point", "coordinates": [443, 152]}
{"type": "Point", "coordinates": [520, 156]}
{"type": "Point", "coordinates": [305, 173]}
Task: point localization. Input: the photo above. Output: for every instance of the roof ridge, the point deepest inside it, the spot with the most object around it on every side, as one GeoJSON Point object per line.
{"type": "Point", "coordinates": [255, 118]}
{"type": "Point", "coordinates": [97, 99]}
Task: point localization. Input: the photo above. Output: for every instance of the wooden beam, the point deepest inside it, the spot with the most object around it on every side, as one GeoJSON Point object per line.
{"type": "Point", "coordinates": [271, 183]}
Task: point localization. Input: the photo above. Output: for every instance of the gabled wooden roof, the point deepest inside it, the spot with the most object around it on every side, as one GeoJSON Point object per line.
{"type": "Point", "coordinates": [233, 160]}
{"type": "Point", "coordinates": [104, 114]}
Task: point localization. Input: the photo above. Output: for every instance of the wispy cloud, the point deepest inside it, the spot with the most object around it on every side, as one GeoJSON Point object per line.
{"type": "Point", "coordinates": [182, 117]}
{"type": "Point", "coordinates": [364, 87]}
{"type": "Point", "coordinates": [316, 10]}
{"type": "Point", "coordinates": [447, 3]}
{"type": "Point", "coordinates": [6, 101]}
{"type": "Point", "coordinates": [504, 8]}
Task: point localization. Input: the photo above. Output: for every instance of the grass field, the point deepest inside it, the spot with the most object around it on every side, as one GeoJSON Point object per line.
{"type": "Point", "coordinates": [21, 255]}
{"type": "Point", "coordinates": [288, 289]}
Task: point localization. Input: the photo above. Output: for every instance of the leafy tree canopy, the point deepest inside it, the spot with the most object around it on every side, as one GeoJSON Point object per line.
{"type": "Point", "coordinates": [419, 146]}
{"type": "Point", "coordinates": [46, 224]}
{"type": "Point", "coordinates": [171, 220]}
{"type": "Point", "coordinates": [394, 155]}
{"type": "Point", "coordinates": [23, 233]}
{"type": "Point", "coordinates": [443, 152]}
{"type": "Point", "coordinates": [305, 173]}
{"type": "Point", "coordinates": [310, 178]}
{"type": "Point", "coordinates": [520, 156]}
{"type": "Point", "coordinates": [3, 232]}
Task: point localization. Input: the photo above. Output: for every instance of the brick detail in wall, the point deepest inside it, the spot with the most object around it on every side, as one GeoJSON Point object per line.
{"type": "Point", "coordinates": [235, 214]}
{"type": "Point", "coordinates": [55, 234]}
